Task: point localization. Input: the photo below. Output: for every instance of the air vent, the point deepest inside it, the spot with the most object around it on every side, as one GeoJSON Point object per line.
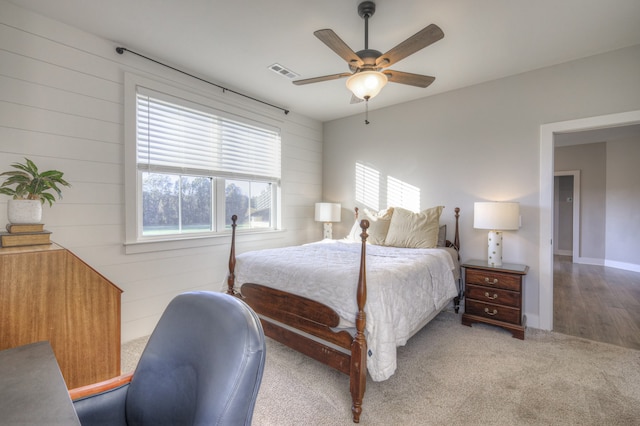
{"type": "Point", "coordinates": [279, 69]}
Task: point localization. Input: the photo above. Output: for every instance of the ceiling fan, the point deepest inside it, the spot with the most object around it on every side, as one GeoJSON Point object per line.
{"type": "Point", "coordinates": [368, 67]}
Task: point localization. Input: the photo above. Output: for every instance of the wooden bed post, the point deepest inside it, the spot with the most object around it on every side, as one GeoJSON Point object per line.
{"type": "Point", "coordinates": [358, 376]}
{"type": "Point", "coordinates": [456, 239]}
{"type": "Point", "coordinates": [456, 244]}
{"type": "Point", "coordinates": [231, 278]}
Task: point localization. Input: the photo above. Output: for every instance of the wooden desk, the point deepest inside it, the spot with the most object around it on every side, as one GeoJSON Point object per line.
{"type": "Point", "coordinates": [49, 294]}
{"type": "Point", "coordinates": [32, 390]}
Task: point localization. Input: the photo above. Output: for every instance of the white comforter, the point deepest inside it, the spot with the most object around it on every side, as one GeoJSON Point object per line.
{"type": "Point", "coordinates": [405, 287]}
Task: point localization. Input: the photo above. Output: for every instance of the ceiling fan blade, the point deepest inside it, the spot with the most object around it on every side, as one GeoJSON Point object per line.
{"type": "Point", "coordinates": [336, 44]}
{"type": "Point", "coordinates": [419, 40]}
{"type": "Point", "coordinates": [322, 78]}
{"type": "Point", "coordinates": [409, 78]}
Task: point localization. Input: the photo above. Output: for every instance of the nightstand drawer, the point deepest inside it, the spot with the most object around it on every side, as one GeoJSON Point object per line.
{"type": "Point", "coordinates": [495, 312]}
{"type": "Point", "coordinates": [493, 295]}
{"type": "Point", "coordinates": [493, 279]}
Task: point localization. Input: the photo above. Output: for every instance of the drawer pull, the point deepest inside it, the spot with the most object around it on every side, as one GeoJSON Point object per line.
{"type": "Point", "coordinates": [488, 296]}
{"type": "Point", "coordinates": [486, 280]}
{"type": "Point", "coordinates": [486, 311]}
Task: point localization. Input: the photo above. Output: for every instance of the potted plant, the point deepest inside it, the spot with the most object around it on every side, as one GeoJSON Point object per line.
{"type": "Point", "coordinates": [29, 189]}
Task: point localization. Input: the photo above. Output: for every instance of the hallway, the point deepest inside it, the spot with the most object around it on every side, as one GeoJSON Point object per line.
{"type": "Point", "coordinates": [596, 302]}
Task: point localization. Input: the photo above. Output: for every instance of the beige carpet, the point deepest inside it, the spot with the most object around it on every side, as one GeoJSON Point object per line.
{"type": "Point", "coordinates": [450, 374]}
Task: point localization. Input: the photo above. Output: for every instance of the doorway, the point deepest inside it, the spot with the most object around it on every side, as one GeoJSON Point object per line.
{"type": "Point", "coordinates": [547, 132]}
{"type": "Point", "coordinates": [566, 214]}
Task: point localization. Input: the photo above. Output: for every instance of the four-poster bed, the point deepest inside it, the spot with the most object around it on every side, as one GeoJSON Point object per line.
{"type": "Point", "coordinates": [306, 299]}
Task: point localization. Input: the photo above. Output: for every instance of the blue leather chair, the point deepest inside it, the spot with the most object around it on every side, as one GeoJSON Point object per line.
{"type": "Point", "coordinates": [202, 365]}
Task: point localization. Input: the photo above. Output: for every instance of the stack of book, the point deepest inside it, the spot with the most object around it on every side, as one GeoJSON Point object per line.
{"type": "Point", "coordinates": [24, 234]}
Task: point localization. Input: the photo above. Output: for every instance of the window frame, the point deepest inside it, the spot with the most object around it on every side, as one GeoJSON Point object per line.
{"type": "Point", "coordinates": [135, 241]}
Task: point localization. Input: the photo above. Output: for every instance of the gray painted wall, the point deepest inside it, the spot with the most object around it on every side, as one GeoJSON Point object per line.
{"type": "Point", "coordinates": [563, 220]}
{"type": "Point", "coordinates": [481, 143]}
{"type": "Point", "coordinates": [591, 160]}
{"type": "Point", "coordinates": [623, 203]}
{"type": "Point", "coordinates": [610, 200]}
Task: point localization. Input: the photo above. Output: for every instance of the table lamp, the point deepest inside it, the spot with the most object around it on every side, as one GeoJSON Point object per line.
{"type": "Point", "coordinates": [327, 213]}
{"type": "Point", "coordinates": [497, 217]}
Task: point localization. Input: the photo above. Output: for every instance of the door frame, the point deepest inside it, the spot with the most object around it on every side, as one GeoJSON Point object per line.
{"type": "Point", "coordinates": [575, 212]}
{"type": "Point", "coordinates": [546, 198]}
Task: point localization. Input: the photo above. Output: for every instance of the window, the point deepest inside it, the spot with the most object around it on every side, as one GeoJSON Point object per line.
{"type": "Point", "coordinates": [173, 204]}
{"type": "Point", "coordinates": [197, 166]}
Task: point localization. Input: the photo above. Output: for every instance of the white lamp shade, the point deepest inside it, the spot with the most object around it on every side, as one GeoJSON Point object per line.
{"type": "Point", "coordinates": [366, 84]}
{"type": "Point", "coordinates": [328, 212]}
{"type": "Point", "coordinates": [496, 216]}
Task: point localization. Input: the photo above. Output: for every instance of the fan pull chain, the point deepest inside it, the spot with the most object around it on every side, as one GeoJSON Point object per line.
{"type": "Point", "coordinates": [366, 110]}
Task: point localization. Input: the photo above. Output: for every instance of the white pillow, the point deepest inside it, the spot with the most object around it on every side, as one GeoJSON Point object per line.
{"type": "Point", "coordinates": [354, 233]}
{"type": "Point", "coordinates": [414, 230]}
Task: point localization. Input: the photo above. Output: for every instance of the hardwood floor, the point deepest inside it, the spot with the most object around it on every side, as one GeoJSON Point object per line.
{"type": "Point", "coordinates": [596, 302]}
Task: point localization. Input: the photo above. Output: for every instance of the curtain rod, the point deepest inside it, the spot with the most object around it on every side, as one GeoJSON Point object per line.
{"type": "Point", "coordinates": [121, 50]}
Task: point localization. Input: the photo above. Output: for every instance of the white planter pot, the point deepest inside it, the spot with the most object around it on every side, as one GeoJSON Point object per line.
{"type": "Point", "coordinates": [24, 211]}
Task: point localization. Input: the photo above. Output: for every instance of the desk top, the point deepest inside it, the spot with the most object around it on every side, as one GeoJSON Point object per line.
{"type": "Point", "coordinates": [32, 389]}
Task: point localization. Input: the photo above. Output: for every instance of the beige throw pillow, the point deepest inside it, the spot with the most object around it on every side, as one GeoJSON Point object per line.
{"type": "Point", "coordinates": [414, 230]}
{"type": "Point", "coordinates": [378, 225]}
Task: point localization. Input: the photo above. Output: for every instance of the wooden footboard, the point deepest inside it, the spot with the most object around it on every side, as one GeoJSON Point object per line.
{"type": "Point", "coordinates": [280, 311]}
{"type": "Point", "coordinates": [307, 326]}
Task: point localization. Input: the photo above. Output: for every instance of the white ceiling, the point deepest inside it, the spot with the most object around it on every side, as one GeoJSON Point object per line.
{"type": "Point", "coordinates": [232, 43]}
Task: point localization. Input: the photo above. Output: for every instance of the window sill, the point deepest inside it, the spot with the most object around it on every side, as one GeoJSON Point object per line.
{"type": "Point", "coordinates": [136, 247]}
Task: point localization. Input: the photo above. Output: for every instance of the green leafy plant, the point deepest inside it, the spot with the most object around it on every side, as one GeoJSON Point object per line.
{"type": "Point", "coordinates": [28, 183]}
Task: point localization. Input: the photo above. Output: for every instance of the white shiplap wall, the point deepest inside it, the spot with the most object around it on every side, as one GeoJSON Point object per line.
{"type": "Point", "coordinates": [61, 105]}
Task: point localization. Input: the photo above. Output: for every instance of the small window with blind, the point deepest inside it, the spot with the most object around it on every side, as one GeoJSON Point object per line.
{"type": "Point", "coordinates": [197, 166]}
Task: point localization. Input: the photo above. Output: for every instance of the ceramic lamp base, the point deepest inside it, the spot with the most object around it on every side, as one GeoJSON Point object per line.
{"type": "Point", "coordinates": [328, 231]}
{"type": "Point", "coordinates": [494, 248]}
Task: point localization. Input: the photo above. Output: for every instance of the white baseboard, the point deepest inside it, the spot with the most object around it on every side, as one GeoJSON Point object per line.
{"type": "Point", "coordinates": [589, 261]}
{"type": "Point", "coordinates": [610, 263]}
{"type": "Point", "coordinates": [533, 321]}
{"type": "Point", "coordinates": [622, 265]}
{"type": "Point", "coordinates": [563, 252]}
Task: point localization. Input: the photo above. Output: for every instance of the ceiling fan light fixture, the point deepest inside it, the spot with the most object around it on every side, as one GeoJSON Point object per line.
{"type": "Point", "coordinates": [366, 84]}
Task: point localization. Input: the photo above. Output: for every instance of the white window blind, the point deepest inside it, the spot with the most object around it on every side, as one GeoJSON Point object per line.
{"type": "Point", "coordinates": [175, 137]}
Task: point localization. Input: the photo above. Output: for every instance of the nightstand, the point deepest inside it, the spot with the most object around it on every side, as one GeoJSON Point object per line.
{"type": "Point", "coordinates": [494, 295]}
